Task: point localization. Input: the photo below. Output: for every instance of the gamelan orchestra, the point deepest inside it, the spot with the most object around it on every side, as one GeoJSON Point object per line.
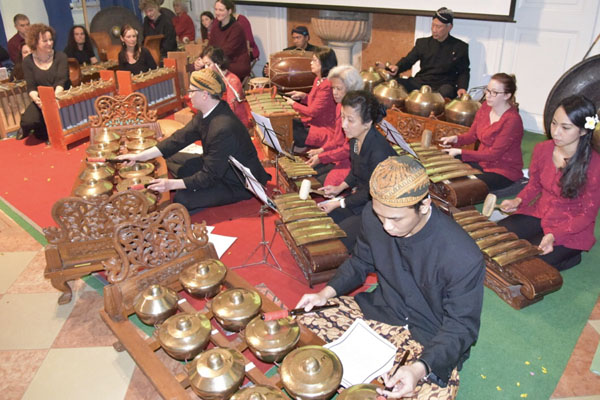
{"type": "Point", "coordinates": [415, 180]}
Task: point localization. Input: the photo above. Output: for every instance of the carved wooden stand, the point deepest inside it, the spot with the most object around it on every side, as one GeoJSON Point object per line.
{"type": "Point", "coordinates": [412, 126]}
{"type": "Point", "coordinates": [83, 238]}
{"type": "Point", "coordinates": [137, 267]}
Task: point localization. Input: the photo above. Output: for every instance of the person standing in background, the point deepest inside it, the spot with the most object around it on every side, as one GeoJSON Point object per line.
{"type": "Point", "coordinates": [14, 44]}
{"type": "Point", "coordinates": [184, 26]}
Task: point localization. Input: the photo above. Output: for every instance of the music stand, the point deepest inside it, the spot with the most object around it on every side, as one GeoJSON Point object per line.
{"type": "Point", "coordinates": [258, 190]}
{"type": "Point", "coordinates": [269, 138]}
{"type": "Point", "coordinates": [394, 136]}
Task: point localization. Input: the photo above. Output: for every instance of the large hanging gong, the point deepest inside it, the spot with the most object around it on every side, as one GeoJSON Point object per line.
{"type": "Point", "coordinates": [583, 78]}
{"type": "Point", "coordinates": [111, 19]}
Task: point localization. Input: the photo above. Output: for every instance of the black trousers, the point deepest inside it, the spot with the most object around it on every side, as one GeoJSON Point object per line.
{"type": "Point", "coordinates": [492, 180]}
{"type": "Point", "coordinates": [182, 165]}
{"type": "Point", "coordinates": [349, 222]}
{"type": "Point", "coordinates": [32, 121]}
{"type": "Point", "coordinates": [410, 84]}
{"type": "Point", "coordinates": [530, 228]}
{"type": "Point", "coordinates": [300, 133]}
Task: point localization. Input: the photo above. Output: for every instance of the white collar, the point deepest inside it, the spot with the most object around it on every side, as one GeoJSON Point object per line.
{"type": "Point", "coordinates": [209, 111]}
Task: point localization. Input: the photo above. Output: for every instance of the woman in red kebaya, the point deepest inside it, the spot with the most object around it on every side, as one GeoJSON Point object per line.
{"type": "Point", "coordinates": [557, 209]}
{"type": "Point", "coordinates": [499, 129]}
{"type": "Point", "coordinates": [317, 108]}
{"type": "Point", "coordinates": [332, 160]}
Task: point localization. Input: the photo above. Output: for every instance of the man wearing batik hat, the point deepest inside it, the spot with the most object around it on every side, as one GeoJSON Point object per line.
{"type": "Point", "coordinates": [300, 41]}
{"type": "Point", "coordinates": [444, 59]}
{"type": "Point", "coordinates": [430, 283]}
{"type": "Point", "coordinates": [206, 180]}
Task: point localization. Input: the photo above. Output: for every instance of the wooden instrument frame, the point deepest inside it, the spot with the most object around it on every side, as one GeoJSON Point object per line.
{"type": "Point", "coordinates": [59, 136]}
{"type": "Point", "coordinates": [14, 102]}
{"type": "Point", "coordinates": [127, 86]}
{"type": "Point", "coordinates": [83, 238]}
{"type": "Point", "coordinates": [411, 126]}
{"type": "Point", "coordinates": [119, 296]}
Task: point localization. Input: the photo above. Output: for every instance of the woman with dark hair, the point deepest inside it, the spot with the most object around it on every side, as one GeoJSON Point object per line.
{"type": "Point", "coordinates": [229, 35]}
{"type": "Point", "coordinates": [79, 46]}
{"type": "Point", "coordinates": [17, 73]}
{"type": "Point", "coordinates": [43, 67]}
{"type": "Point", "coordinates": [499, 129]}
{"type": "Point", "coordinates": [317, 108]}
{"type": "Point", "coordinates": [557, 209]}
{"type": "Point", "coordinates": [215, 59]}
{"type": "Point", "coordinates": [360, 112]}
{"type": "Point", "coordinates": [133, 57]}
{"type": "Point", "coordinates": [206, 21]}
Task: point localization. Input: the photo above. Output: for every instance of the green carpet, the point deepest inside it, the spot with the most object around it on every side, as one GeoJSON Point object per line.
{"type": "Point", "coordinates": [522, 354]}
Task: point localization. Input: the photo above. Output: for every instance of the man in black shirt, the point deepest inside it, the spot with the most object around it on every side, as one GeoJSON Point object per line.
{"type": "Point", "coordinates": [206, 180]}
{"type": "Point", "coordinates": [444, 59]}
{"type": "Point", "coordinates": [430, 282]}
{"type": "Point", "coordinates": [300, 38]}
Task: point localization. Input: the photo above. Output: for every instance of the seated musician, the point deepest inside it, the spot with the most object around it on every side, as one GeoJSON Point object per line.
{"type": "Point", "coordinates": [499, 129]}
{"type": "Point", "coordinates": [360, 112]}
{"type": "Point", "coordinates": [17, 73]}
{"type": "Point", "coordinates": [206, 20]}
{"type": "Point", "coordinates": [214, 58]}
{"type": "Point", "coordinates": [207, 180]}
{"type": "Point", "coordinates": [155, 23]}
{"type": "Point", "coordinates": [332, 160]}
{"type": "Point", "coordinates": [557, 209]}
{"type": "Point", "coordinates": [300, 41]}
{"type": "Point", "coordinates": [43, 67]}
{"type": "Point", "coordinates": [430, 291]}
{"type": "Point", "coordinates": [133, 57]}
{"type": "Point", "coordinates": [444, 59]}
{"type": "Point", "coordinates": [79, 46]}
{"type": "Point", "coordinates": [317, 108]}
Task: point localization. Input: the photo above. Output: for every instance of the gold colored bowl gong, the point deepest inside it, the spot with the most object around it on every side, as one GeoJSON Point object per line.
{"type": "Point", "coordinates": [106, 136]}
{"type": "Point", "coordinates": [96, 171]}
{"type": "Point", "coordinates": [270, 341]}
{"type": "Point", "coordinates": [363, 391]}
{"type": "Point", "coordinates": [423, 102]}
{"type": "Point", "coordinates": [259, 392]}
{"type": "Point", "coordinates": [217, 373]}
{"type": "Point", "coordinates": [184, 335]}
{"type": "Point", "coordinates": [136, 170]}
{"type": "Point", "coordinates": [311, 373]}
{"type": "Point", "coordinates": [129, 182]}
{"type": "Point", "coordinates": [93, 188]}
{"type": "Point", "coordinates": [155, 304]}
{"type": "Point", "coordinates": [140, 144]}
{"type": "Point", "coordinates": [139, 133]}
{"type": "Point", "coordinates": [203, 279]}
{"type": "Point", "coordinates": [234, 308]}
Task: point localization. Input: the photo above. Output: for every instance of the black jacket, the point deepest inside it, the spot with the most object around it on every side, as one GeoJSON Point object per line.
{"type": "Point", "coordinates": [222, 134]}
{"type": "Point", "coordinates": [162, 26]}
{"type": "Point", "coordinates": [444, 62]}
{"type": "Point", "coordinates": [431, 281]}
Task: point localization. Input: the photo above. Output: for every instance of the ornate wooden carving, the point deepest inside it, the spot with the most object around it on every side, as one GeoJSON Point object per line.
{"type": "Point", "coordinates": [81, 220]}
{"type": "Point", "coordinates": [153, 241]}
{"type": "Point", "coordinates": [122, 110]}
{"type": "Point", "coordinates": [412, 126]}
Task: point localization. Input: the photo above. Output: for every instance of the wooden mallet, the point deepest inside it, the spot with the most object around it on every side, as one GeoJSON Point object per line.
{"type": "Point", "coordinates": [426, 138]}
{"type": "Point", "coordinates": [489, 204]}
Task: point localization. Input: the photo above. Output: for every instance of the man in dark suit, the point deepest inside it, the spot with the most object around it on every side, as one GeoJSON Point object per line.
{"type": "Point", "coordinates": [206, 180]}
{"type": "Point", "coordinates": [444, 59]}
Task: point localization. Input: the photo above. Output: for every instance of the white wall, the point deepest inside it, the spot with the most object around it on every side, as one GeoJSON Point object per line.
{"type": "Point", "coordinates": [34, 9]}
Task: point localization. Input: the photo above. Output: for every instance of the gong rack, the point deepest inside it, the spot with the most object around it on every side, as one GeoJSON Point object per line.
{"type": "Point", "coordinates": [160, 86]}
{"type": "Point", "coordinates": [143, 351]}
{"type": "Point", "coordinates": [411, 126]}
{"type": "Point", "coordinates": [130, 279]}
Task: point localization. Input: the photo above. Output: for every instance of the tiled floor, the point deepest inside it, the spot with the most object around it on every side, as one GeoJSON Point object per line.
{"type": "Point", "coordinates": [65, 352]}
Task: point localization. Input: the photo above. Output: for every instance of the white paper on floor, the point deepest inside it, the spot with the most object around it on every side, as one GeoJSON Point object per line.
{"type": "Point", "coordinates": [364, 354]}
{"type": "Point", "coordinates": [221, 243]}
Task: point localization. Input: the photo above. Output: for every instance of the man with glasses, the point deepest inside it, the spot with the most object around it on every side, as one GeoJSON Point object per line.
{"type": "Point", "coordinates": [206, 180]}
{"type": "Point", "coordinates": [444, 59]}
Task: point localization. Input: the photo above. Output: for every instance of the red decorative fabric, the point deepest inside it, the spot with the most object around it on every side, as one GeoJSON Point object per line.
{"type": "Point", "coordinates": [571, 221]}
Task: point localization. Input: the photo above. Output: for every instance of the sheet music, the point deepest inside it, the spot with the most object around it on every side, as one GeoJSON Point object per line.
{"type": "Point", "coordinates": [394, 136]}
{"type": "Point", "coordinates": [252, 184]}
{"type": "Point", "coordinates": [364, 354]}
{"type": "Point", "coordinates": [267, 134]}
{"type": "Point", "coordinates": [192, 149]}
